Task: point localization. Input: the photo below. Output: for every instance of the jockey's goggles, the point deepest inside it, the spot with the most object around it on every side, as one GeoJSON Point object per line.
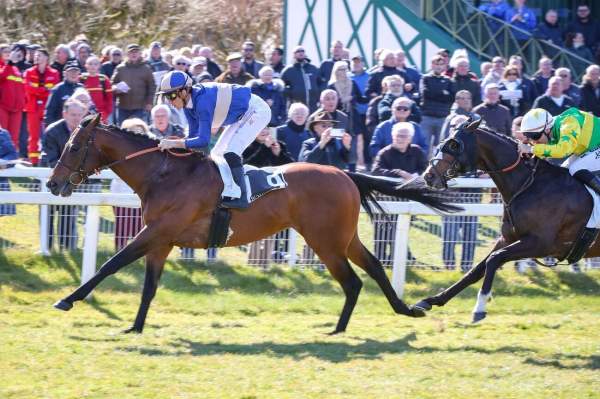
{"type": "Point", "coordinates": [534, 135]}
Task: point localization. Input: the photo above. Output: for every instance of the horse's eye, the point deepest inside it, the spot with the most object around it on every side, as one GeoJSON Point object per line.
{"type": "Point", "coordinates": [74, 148]}
{"type": "Point", "coordinates": [453, 145]}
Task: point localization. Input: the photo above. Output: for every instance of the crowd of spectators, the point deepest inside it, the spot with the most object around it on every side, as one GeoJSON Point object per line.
{"type": "Point", "coordinates": [386, 120]}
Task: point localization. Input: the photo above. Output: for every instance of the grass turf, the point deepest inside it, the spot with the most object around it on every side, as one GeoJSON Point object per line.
{"type": "Point", "coordinates": [220, 331]}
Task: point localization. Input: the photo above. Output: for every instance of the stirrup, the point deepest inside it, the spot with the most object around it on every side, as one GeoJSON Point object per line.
{"type": "Point", "coordinates": [234, 203]}
{"type": "Point", "coordinates": [583, 243]}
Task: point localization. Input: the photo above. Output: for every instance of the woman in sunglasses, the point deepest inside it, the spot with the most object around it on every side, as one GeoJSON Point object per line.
{"type": "Point", "coordinates": [207, 107]}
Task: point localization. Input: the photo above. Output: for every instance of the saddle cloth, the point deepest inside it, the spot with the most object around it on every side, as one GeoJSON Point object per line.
{"type": "Point", "coordinates": [260, 181]}
{"type": "Point", "coordinates": [594, 220]}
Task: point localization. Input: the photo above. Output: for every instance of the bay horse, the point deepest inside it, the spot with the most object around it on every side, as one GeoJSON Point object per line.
{"type": "Point", "coordinates": [179, 195]}
{"type": "Point", "coordinates": [545, 208]}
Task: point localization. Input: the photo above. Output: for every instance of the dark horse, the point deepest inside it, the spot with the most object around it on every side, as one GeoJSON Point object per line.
{"type": "Point", "coordinates": [179, 195]}
{"type": "Point", "coordinates": [545, 208]}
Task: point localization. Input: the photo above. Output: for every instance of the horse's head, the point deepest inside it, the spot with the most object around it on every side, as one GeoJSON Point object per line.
{"type": "Point", "coordinates": [79, 159]}
{"type": "Point", "coordinates": [456, 155]}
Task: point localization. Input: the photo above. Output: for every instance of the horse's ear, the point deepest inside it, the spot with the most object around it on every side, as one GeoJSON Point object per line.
{"type": "Point", "coordinates": [473, 123]}
{"type": "Point", "coordinates": [91, 121]}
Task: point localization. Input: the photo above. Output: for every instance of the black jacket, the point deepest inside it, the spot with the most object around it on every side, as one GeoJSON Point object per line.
{"type": "Point", "coordinates": [53, 142]}
{"type": "Point", "coordinates": [58, 95]}
{"type": "Point", "coordinates": [590, 99]}
{"type": "Point", "coordinates": [389, 161]}
{"type": "Point", "coordinates": [496, 117]}
{"type": "Point", "coordinates": [295, 88]}
{"type": "Point", "coordinates": [108, 68]}
{"type": "Point", "coordinates": [257, 154]}
{"type": "Point", "coordinates": [213, 68]}
{"type": "Point", "coordinates": [545, 31]}
{"type": "Point", "coordinates": [467, 82]}
{"type": "Point", "coordinates": [436, 95]}
{"type": "Point", "coordinates": [374, 82]}
{"type": "Point", "coordinates": [590, 30]}
{"type": "Point", "coordinates": [385, 111]}
{"type": "Point", "coordinates": [545, 102]}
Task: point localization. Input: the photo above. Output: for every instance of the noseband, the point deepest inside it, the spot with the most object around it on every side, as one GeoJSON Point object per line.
{"type": "Point", "coordinates": [78, 171]}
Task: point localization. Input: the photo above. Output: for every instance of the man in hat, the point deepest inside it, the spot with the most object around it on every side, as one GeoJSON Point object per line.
{"type": "Point", "coordinates": [208, 107]}
{"type": "Point", "coordinates": [198, 69]}
{"type": "Point", "coordinates": [155, 60]}
{"type": "Point", "coordinates": [133, 84]}
{"type": "Point", "coordinates": [327, 147]}
{"type": "Point", "coordinates": [61, 92]}
{"type": "Point", "coordinates": [234, 74]}
{"type": "Point", "coordinates": [39, 80]}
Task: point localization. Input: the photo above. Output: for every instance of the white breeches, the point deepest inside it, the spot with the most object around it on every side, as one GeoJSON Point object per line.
{"type": "Point", "coordinates": [237, 137]}
{"type": "Point", "coordinates": [588, 160]}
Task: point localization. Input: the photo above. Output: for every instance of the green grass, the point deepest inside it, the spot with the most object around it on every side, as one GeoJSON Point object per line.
{"type": "Point", "coordinates": [219, 331]}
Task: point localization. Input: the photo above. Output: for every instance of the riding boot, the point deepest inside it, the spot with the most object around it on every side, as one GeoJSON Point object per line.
{"type": "Point", "coordinates": [237, 172]}
{"type": "Point", "coordinates": [588, 235]}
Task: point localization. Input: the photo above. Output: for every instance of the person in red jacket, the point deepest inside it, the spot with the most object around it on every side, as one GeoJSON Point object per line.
{"type": "Point", "coordinates": [39, 80]}
{"type": "Point", "coordinates": [12, 95]}
{"type": "Point", "coordinates": [99, 87]}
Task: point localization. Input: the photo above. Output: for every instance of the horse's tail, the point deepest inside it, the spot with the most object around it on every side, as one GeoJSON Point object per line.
{"type": "Point", "coordinates": [415, 190]}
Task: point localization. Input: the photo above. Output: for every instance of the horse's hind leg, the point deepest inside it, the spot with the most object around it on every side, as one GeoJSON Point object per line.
{"type": "Point", "coordinates": [155, 262]}
{"type": "Point", "coordinates": [361, 256]}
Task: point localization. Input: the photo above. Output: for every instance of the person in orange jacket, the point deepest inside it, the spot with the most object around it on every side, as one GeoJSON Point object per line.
{"type": "Point", "coordinates": [12, 95]}
{"type": "Point", "coordinates": [99, 87]}
{"type": "Point", "coordinates": [39, 80]}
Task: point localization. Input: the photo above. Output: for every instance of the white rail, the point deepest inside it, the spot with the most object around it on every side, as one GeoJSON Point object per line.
{"type": "Point", "coordinates": [94, 200]}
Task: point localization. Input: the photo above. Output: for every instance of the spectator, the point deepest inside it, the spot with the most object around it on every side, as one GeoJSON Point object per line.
{"type": "Point", "coordinates": [325, 149]}
{"type": "Point", "coordinates": [7, 153]}
{"type": "Point", "coordinates": [161, 126]}
{"type": "Point", "coordinates": [569, 88]}
{"type": "Point", "coordinates": [54, 140]}
{"type": "Point", "coordinates": [512, 92]}
{"type": "Point", "coordinates": [274, 58]}
{"type": "Point", "coordinates": [496, 9]}
{"type": "Point", "coordinates": [12, 93]}
{"type": "Point", "coordinates": [22, 63]}
{"type": "Point", "coordinates": [196, 50]}
{"type": "Point", "coordinates": [485, 68]}
{"type": "Point", "coordinates": [347, 91]}
{"type": "Point", "coordinates": [383, 133]}
{"type": "Point", "coordinates": [388, 67]}
{"type": "Point", "coordinates": [4, 52]}
{"type": "Point", "coordinates": [543, 74]}
{"type": "Point", "coordinates": [549, 29]}
{"type": "Point", "coordinates": [81, 94]}
{"type": "Point", "coordinates": [108, 68]}
{"type": "Point", "coordinates": [411, 76]}
{"type": "Point", "coordinates": [590, 90]}
{"type": "Point", "coordinates": [234, 74]}
{"type": "Point", "coordinates": [39, 80]}
{"type": "Point", "coordinates": [575, 43]}
{"type": "Point", "coordinates": [99, 87]}
{"type": "Point", "coordinates": [585, 24]}
{"type": "Point", "coordinates": [395, 90]}
{"type": "Point", "coordinates": [495, 74]}
{"type": "Point", "coordinates": [554, 101]}
{"type": "Point", "coordinates": [360, 77]}
{"type": "Point", "coordinates": [444, 54]}
{"type": "Point", "coordinates": [128, 221]}
{"type": "Point", "coordinates": [61, 57]}
{"type": "Point", "coordinates": [337, 49]}
{"type": "Point", "coordinates": [133, 84]}
{"type": "Point", "coordinates": [270, 90]}
{"type": "Point", "coordinates": [211, 66]}
{"type": "Point", "coordinates": [266, 150]}
{"type": "Point", "coordinates": [377, 61]}
{"type": "Point", "coordinates": [529, 91]}
{"type": "Point", "coordinates": [61, 92]}
{"type": "Point", "coordinates": [302, 82]}
{"type": "Point", "coordinates": [182, 63]}
{"type": "Point", "coordinates": [495, 115]}
{"type": "Point", "coordinates": [436, 100]}
{"type": "Point", "coordinates": [105, 53]}
{"type": "Point", "coordinates": [521, 17]}
{"type": "Point", "coordinates": [463, 105]}
{"type": "Point", "coordinates": [294, 132]}
{"type": "Point", "coordinates": [81, 55]}
{"type": "Point", "coordinates": [198, 69]}
{"type": "Point", "coordinates": [372, 116]}
{"type": "Point", "coordinates": [463, 79]}
{"type": "Point", "coordinates": [401, 158]}
{"type": "Point", "coordinates": [250, 65]}
{"type": "Point", "coordinates": [155, 60]}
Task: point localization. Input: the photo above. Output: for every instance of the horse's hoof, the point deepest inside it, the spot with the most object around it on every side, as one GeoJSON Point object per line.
{"type": "Point", "coordinates": [478, 316]}
{"type": "Point", "coordinates": [63, 305]}
{"type": "Point", "coordinates": [418, 312]}
{"type": "Point", "coordinates": [132, 330]}
{"type": "Point", "coordinates": [335, 332]}
{"type": "Point", "coordinates": [423, 306]}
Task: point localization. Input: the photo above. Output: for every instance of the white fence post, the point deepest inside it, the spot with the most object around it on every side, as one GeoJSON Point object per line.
{"type": "Point", "coordinates": [44, 219]}
{"type": "Point", "coordinates": [400, 254]}
{"type": "Point", "coordinates": [292, 240]}
{"type": "Point", "coordinates": [90, 244]}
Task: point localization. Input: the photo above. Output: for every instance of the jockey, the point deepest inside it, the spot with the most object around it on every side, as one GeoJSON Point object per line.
{"type": "Point", "coordinates": [207, 107]}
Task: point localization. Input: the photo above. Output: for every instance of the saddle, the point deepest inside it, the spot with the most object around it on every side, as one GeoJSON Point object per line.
{"type": "Point", "coordinates": [259, 182]}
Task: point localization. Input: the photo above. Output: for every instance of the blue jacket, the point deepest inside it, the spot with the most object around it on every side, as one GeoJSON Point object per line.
{"type": "Point", "coordinates": [382, 137]}
{"type": "Point", "coordinates": [58, 95]}
{"type": "Point", "coordinates": [274, 92]}
{"type": "Point", "coordinates": [495, 10]}
{"type": "Point", "coordinates": [361, 81]}
{"type": "Point", "coordinates": [293, 136]}
{"type": "Point", "coordinates": [528, 23]}
{"type": "Point", "coordinates": [334, 153]}
{"type": "Point", "coordinates": [545, 31]}
{"type": "Point", "coordinates": [201, 110]}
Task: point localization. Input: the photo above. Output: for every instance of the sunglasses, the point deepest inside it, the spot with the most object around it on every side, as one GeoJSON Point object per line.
{"type": "Point", "coordinates": [402, 109]}
{"type": "Point", "coordinates": [172, 95]}
{"type": "Point", "coordinates": [183, 64]}
{"type": "Point", "coordinates": [563, 76]}
{"type": "Point", "coordinates": [463, 98]}
{"type": "Point", "coordinates": [117, 54]}
{"type": "Point", "coordinates": [299, 51]}
{"type": "Point", "coordinates": [513, 74]}
{"type": "Point", "coordinates": [248, 49]}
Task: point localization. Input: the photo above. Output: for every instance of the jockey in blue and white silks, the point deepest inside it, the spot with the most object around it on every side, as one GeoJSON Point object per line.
{"type": "Point", "coordinates": [209, 106]}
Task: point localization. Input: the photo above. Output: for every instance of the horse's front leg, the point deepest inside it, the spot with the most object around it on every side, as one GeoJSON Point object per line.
{"type": "Point", "coordinates": [155, 262]}
{"type": "Point", "coordinates": [526, 247]}
{"type": "Point", "coordinates": [137, 248]}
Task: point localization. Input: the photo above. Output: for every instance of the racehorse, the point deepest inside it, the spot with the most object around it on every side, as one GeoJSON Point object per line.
{"type": "Point", "coordinates": [545, 208]}
{"type": "Point", "coordinates": [179, 195]}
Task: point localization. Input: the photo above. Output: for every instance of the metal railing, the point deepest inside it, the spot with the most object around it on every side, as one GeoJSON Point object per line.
{"type": "Point", "coordinates": [488, 36]}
